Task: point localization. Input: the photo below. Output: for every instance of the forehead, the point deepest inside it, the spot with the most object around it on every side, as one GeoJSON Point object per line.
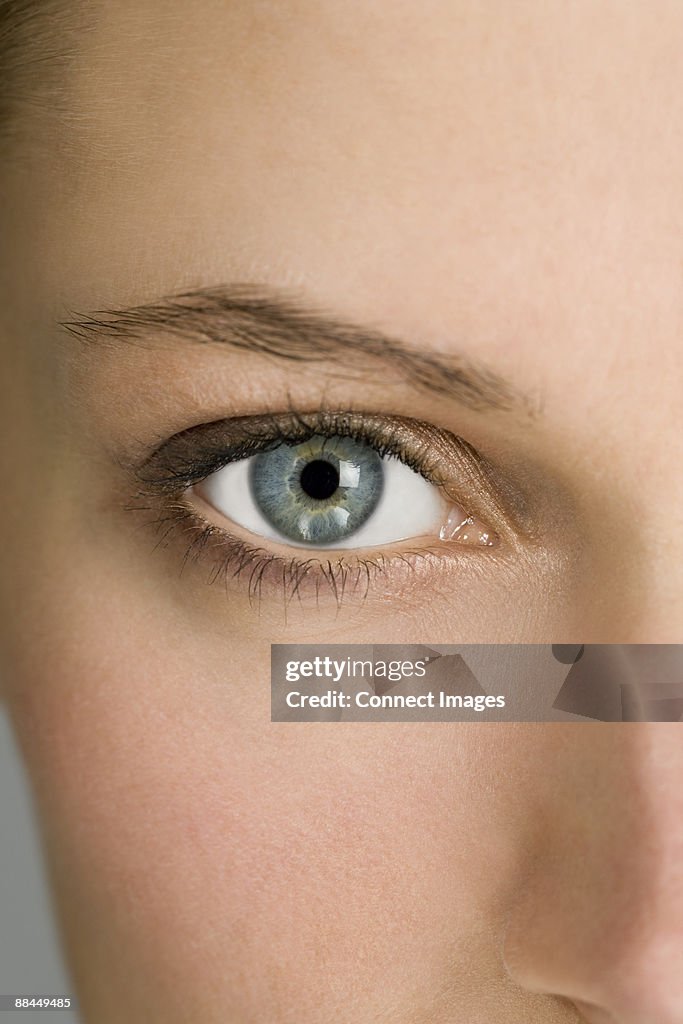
{"type": "Point", "coordinates": [457, 167]}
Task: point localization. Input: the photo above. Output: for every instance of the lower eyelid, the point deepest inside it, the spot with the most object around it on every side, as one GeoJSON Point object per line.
{"type": "Point", "coordinates": [228, 559]}
{"type": "Point", "coordinates": [188, 529]}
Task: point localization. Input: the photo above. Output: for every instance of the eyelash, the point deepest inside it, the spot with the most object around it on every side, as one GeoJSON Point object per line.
{"type": "Point", "coordinates": [191, 456]}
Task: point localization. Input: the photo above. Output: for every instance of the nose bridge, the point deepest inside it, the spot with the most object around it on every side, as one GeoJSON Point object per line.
{"type": "Point", "coordinates": [655, 614]}
{"type": "Point", "coordinates": [643, 981]}
{"type": "Point", "coordinates": [659, 611]}
{"type": "Point", "coordinates": [649, 540]}
{"type": "Point", "coordinates": [600, 918]}
{"type": "Point", "coordinates": [661, 778]}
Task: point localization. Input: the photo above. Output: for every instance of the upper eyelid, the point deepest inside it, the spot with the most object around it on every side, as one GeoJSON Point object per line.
{"type": "Point", "coordinates": [238, 437]}
{"type": "Point", "coordinates": [445, 459]}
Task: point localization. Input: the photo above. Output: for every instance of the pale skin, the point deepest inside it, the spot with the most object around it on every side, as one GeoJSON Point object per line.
{"type": "Point", "coordinates": [494, 182]}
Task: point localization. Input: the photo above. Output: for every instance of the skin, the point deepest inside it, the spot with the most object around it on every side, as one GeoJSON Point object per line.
{"type": "Point", "coordinates": [501, 181]}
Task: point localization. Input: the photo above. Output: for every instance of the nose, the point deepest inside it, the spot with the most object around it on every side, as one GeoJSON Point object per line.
{"type": "Point", "coordinates": [598, 916]}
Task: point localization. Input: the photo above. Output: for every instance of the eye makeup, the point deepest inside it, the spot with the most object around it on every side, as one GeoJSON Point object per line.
{"type": "Point", "coordinates": [173, 492]}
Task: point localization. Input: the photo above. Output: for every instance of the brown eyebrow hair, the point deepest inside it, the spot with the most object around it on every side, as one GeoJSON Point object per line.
{"type": "Point", "coordinates": [271, 323]}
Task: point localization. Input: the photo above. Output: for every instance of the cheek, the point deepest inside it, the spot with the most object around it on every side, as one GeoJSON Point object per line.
{"type": "Point", "coordinates": [257, 865]}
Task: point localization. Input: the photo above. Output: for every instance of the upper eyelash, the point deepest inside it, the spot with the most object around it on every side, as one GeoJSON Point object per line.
{"type": "Point", "coordinates": [192, 455]}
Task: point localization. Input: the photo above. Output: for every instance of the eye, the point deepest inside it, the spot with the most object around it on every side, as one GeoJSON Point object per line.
{"type": "Point", "coordinates": [316, 481]}
{"type": "Point", "coordinates": [328, 492]}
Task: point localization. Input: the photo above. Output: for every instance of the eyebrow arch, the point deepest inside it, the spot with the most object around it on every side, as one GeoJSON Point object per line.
{"type": "Point", "coordinates": [272, 323]}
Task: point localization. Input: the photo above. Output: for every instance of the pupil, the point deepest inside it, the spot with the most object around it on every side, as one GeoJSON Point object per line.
{"type": "Point", "coordinates": [319, 479]}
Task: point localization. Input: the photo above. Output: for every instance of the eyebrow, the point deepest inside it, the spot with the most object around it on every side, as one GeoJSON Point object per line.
{"type": "Point", "coordinates": [272, 323]}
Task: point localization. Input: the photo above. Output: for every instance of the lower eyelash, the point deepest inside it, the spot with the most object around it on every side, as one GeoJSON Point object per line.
{"type": "Point", "coordinates": [233, 559]}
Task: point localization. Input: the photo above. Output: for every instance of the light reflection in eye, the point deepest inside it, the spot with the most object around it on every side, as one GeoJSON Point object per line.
{"type": "Point", "coordinates": [466, 529]}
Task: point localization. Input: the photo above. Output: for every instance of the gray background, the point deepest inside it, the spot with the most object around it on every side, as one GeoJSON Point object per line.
{"type": "Point", "coordinates": [30, 961]}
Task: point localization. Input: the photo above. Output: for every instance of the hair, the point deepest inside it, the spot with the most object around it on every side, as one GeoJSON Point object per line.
{"type": "Point", "coordinates": [36, 47]}
{"type": "Point", "coordinates": [17, 52]}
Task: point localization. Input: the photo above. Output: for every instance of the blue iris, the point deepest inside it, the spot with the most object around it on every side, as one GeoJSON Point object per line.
{"type": "Point", "coordinates": [319, 491]}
